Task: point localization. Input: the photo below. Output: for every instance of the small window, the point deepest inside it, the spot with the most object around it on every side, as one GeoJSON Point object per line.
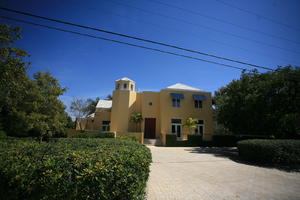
{"type": "Point", "coordinates": [198, 104]}
{"type": "Point", "coordinates": [176, 121]}
{"type": "Point", "coordinates": [125, 85]}
{"type": "Point", "coordinates": [131, 86]}
{"type": "Point", "coordinates": [118, 86]}
{"type": "Point", "coordinates": [105, 125]}
{"type": "Point", "coordinates": [176, 102]}
{"type": "Point", "coordinates": [150, 103]}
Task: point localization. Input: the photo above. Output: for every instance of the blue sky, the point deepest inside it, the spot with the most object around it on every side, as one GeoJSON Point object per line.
{"type": "Point", "coordinates": [89, 67]}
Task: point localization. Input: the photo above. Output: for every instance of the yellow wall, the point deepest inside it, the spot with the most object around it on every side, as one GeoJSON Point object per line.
{"type": "Point", "coordinates": [186, 109]}
{"type": "Point", "coordinates": [101, 115]}
{"type": "Point", "coordinates": [151, 111]}
{"type": "Point", "coordinates": [126, 102]}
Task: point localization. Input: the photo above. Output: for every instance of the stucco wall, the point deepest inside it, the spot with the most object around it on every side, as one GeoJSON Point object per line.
{"type": "Point", "coordinates": [186, 109]}
{"type": "Point", "coordinates": [151, 111]}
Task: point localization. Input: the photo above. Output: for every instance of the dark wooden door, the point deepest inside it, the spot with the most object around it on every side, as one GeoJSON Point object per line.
{"type": "Point", "coordinates": [149, 131]}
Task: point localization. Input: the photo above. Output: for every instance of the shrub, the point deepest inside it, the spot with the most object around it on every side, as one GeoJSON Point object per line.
{"type": "Point", "coordinates": [231, 140]}
{"type": "Point", "coordinates": [95, 135]}
{"type": "Point", "coordinates": [224, 140]}
{"type": "Point", "coordinates": [73, 169]}
{"type": "Point", "coordinates": [270, 151]}
{"type": "Point", "coordinates": [128, 137]}
{"type": "Point", "coordinates": [195, 140]}
{"type": "Point", "coordinates": [2, 133]}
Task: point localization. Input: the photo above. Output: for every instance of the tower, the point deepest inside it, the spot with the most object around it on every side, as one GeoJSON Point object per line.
{"type": "Point", "coordinates": [124, 101]}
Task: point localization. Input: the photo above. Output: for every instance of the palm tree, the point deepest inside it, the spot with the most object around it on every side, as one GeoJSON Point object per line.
{"type": "Point", "coordinates": [137, 119]}
{"type": "Point", "coordinates": [191, 124]}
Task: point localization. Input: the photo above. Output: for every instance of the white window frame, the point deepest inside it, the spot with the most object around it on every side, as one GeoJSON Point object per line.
{"type": "Point", "coordinates": [106, 127]}
{"type": "Point", "coordinates": [198, 128]}
{"type": "Point", "coordinates": [176, 128]}
{"type": "Point", "coordinates": [177, 103]}
{"type": "Point", "coordinates": [198, 104]}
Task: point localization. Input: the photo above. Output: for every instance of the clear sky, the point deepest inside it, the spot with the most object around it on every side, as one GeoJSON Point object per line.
{"type": "Point", "coordinates": [89, 67]}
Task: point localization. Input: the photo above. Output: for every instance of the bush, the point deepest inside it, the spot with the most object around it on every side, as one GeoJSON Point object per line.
{"type": "Point", "coordinates": [2, 133]}
{"type": "Point", "coordinates": [270, 151]}
{"type": "Point", "coordinates": [95, 135]}
{"type": "Point", "coordinates": [224, 140]}
{"type": "Point", "coordinates": [192, 141]}
{"type": "Point", "coordinates": [195, 140]}
{"type": "Point", "coordinates": [73, 169]}
{"type": "Point", "coordinates": [231, 140]}
{"type": "Point", "coordinates": [128, 137]}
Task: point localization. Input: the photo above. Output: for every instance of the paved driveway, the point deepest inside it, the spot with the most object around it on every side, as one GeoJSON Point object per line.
{"type": "Point", "coordinates": [209, 174]}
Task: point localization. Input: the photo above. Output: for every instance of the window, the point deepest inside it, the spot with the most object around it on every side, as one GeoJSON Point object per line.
{"type": "Point", "coordinates": [125, 86]}
{"type": "Point", "coordinates": [176, 127]}
{"type": "Point", "coordinates": [198, 103]}
{"type": "Point", "coordinates": [150, 103]}
{"type": "Point", "coordinates": [118, 86]}
{"type": "Point", "coordinates": [176, 102]}
{"type": "Point", "coordinates": [199, 130]}
{"type": "Point", "coordinates": [131, 86]}
{"type": "Point", "coordinates": [105, 125]}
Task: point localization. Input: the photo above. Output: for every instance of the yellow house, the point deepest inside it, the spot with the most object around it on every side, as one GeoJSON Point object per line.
{"type": "Point", "coordinates": [163, 112]}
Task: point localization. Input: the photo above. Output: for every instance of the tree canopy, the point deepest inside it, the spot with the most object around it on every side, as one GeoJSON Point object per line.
{"type": "Point", "coordinates": [27, 106]}
{"type": "Point", "coordinates": [261, 104]}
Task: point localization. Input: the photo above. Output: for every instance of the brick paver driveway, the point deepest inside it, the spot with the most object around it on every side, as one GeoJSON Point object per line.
{"type": "Point", "coordinates": [209, 174]}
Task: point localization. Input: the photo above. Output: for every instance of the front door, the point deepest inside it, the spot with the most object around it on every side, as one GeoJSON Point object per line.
{"type": "Point", "coordinates": [149, 131]}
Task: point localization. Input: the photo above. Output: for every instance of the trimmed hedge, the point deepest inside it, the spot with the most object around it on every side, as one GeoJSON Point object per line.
{"type": "Point", "coordinates": [192, 141]}
{"type": "Point", "coordinates": [270, 151]}
{"type": "Point", "coordinates": [128, 137]}
{"type": "Point", "coordinates": [73, 169]}
{"type": "Point", "coordinates": [231, 140]}
{"type": "Point", "coordinates": [95, 135]}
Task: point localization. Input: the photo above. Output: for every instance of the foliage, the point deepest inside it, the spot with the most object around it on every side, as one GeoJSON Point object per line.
{"type": "Point", "coordinates": [192, 141]}
{"type": "Point", "coordinates": [91, 105]}
{"type": "Point", "coordinates": [73, 169]}
{"type": "Point", "coordinates": [109, 97]}
{"type": "Point", "coordinates": [2, 134]}
{"type": "Point", "coordinates": [79, 110]}
{"type": "Point", "coordinates": [262, 104]}
{"type": "Point", "coordinates": [231, 140]}
{"type": "Point", "coordinates": [27, 106]}
{"type": "Point", "coordinates": [190, 123]}
{"type": "Point", "coordinates": [128, 137]}
{"type": "Point", "coordinates": [270, 151]}
{"type": "Point", "coordinates": [136, 118]}
{"type": "Point", "coordinates": [94, 135]}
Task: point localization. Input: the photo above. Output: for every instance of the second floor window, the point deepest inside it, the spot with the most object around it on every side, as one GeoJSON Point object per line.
{"type": "Point", "coordinates": [198, 104]}
{"type": "Point", "coordinates": [176, 102]}
{"type": "Point", "coordinates": [131, 87]}
{"type": "Point", "coordinates": [125, 86]}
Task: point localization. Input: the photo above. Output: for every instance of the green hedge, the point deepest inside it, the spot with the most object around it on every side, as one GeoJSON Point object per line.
{"type": "Point", "coordinates": [128, 137]}
{"type": "Point", "coordinates": [231, 140]}
{"type": "Point", "coordinates": [192, 141]}
{"type": "Point", "coordinates": [270, 151]}
{"type": "Point", "coordinates": [95, 135]}
{"type": "Point", "coordinates": [73, 169]}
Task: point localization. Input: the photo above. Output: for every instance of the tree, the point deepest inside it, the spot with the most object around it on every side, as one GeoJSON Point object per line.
{"type": "Point", "coordinates": [109, 97]}
{"type": "Point", "coordinates": [136, 118]}
{"type": "Point", "coordinates": [262, 104]}
{"type": "Point", "coordinates": [91, 105]}
{"type": "Point", "coordinates": [27, 107]}
{"type": "Point", "coordinates": [79, 110]}
{"type": "Point", "coordinates": [190, 123]}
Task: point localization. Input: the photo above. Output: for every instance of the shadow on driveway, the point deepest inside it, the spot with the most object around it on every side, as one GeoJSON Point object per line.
{"type": "Point", "coordinates": [232, 154]}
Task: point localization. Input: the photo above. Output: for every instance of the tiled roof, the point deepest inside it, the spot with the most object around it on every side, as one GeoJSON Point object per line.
{"type": "Point", "coordinates": [104, 104]}
{"type": "Point", "coordinates": [125, 79]}
{"type": "Point", "coordinates": [180, 86]}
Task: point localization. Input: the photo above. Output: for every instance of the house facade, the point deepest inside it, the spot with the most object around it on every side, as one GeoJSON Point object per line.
{"type": "Point", "coordinates": [163, 112]}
